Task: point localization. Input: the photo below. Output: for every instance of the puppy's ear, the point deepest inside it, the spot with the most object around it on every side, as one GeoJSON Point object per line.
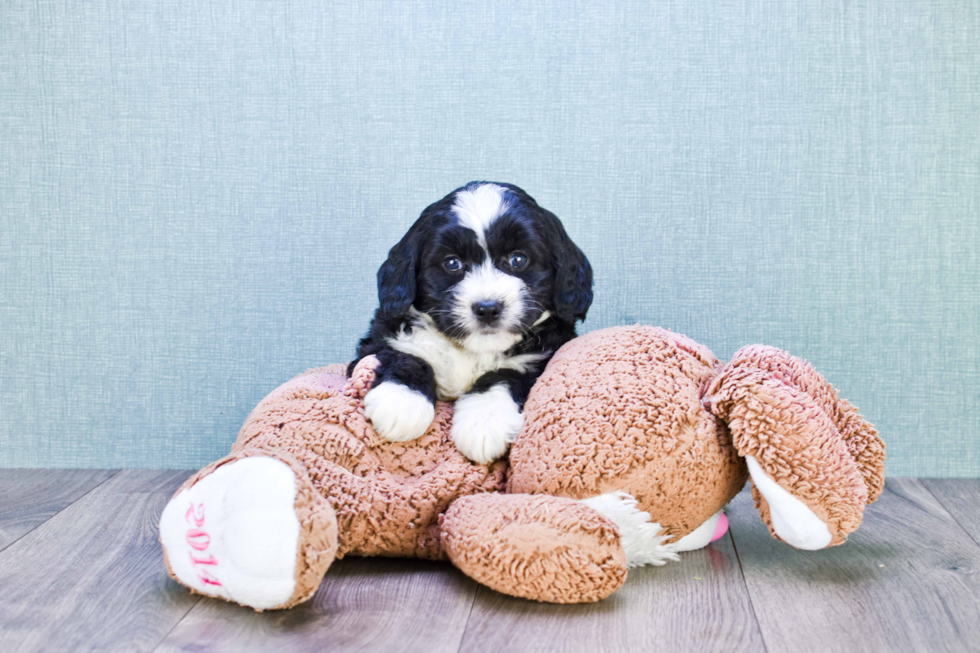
{"type": "Point", "coordinates": [573, 275]}
{"type": "Point", "coordinates": [396, 276]}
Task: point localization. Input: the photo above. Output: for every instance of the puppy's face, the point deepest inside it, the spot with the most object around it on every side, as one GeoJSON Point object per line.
{"type": "Point", "coordinates": [486, 263]}
{"type": "Point", "coordinates": [486, 276]}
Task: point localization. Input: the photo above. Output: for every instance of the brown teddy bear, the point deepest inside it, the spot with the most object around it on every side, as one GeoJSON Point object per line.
{"type": "Point", "coordinates": [635, 439]}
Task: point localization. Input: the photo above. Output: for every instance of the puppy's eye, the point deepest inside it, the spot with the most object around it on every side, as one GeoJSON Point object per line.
{"type": "Point", "coordinates": [452, 264]}
{"type": "Point", "coordinates": [518, 260]}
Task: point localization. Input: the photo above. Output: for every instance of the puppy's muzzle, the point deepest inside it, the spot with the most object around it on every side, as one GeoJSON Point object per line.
{"type": "Point", "coordinates": [488, 311]}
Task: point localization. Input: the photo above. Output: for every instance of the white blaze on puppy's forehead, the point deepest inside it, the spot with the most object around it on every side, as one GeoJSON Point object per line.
{"type": "Point", "coordinates": [478, 207]}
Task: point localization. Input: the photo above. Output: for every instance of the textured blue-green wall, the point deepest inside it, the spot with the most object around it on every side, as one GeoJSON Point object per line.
{"type": "Point", "coordinates": [194, 195]}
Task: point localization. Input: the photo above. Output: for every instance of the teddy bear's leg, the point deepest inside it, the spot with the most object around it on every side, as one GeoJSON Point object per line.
{"type": "Point", "coordinates": [537, 547]}
{"type": "Point", "coordinates": [251, 529]}
{"type": "Point", "coordinates": [814, 462]}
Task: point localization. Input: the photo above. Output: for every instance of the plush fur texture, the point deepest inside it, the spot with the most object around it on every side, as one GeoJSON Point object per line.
{"type": "Point", "coordinates": [542, 548]}
{"type": "Point", "coordinates": [387, 496]}
{"type": "Point", "coordinates": [646, 417]}
{"type": "Point", "coordinates": [620, 410]}
{"type": "Point", "coordinates": [477, 296]}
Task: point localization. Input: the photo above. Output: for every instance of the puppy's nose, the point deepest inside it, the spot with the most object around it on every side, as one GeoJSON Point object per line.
{"type": "Point", "coordinates": [488, 310]}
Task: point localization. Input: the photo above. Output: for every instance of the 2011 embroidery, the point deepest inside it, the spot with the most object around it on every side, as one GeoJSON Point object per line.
{"type": "Point", "coordinates": [199, 540]}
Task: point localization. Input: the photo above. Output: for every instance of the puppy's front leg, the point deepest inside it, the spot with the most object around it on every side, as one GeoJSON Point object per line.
{"type": "Point", "coordinates": [401, 403]}
{"type": "Point", "coordinates": [489, 417]}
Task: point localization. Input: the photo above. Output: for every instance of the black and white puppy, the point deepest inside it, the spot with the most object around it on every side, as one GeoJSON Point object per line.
{"type": "Point", "coordinates": [474, 300]}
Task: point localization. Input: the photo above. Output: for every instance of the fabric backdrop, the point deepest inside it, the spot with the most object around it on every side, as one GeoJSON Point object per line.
{"type": "Point", "coordinates": [195, 195]}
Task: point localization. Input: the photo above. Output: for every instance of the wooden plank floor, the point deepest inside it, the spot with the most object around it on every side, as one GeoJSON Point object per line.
{"type": "Point", "coordinates": [81, 569]}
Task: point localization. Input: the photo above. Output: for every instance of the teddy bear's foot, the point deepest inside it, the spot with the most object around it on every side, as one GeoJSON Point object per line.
{"type": "Point", "coordinates": [538, 547]}
{"type": "Point", "coordinates": [815, 462]}
{"type": "Point", "coordinates": [250, 529]}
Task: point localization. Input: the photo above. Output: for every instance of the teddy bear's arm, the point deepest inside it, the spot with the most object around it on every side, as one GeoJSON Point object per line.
{"type": "Point", "coordinates": [538, 547]}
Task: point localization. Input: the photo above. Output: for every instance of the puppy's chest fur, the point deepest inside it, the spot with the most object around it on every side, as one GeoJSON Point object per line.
{"type": "Point", "coordinates": [456, 369]}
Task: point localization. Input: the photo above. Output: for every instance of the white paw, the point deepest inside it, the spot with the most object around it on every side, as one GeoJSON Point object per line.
{"type": "Point", "coordinates": [485, 424]}
{"type": "Point", "coordinates": [397, 412]}
{"type": "Point", "coordinates": [234, 534]}
{"type": "Point", "coordinates": [792, 519]}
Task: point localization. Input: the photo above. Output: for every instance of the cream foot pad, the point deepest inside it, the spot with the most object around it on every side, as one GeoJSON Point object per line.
{"type": "Point", "coordinates": [235, 533]}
